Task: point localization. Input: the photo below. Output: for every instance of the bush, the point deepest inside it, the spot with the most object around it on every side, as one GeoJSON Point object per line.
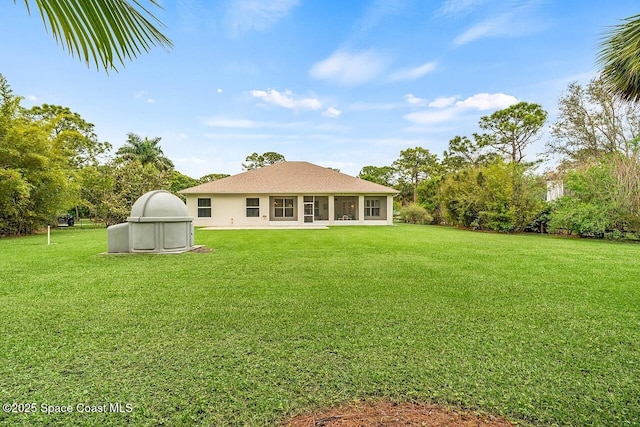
{"type": "Point", "coordinates": [414, 213]}
{"type": "Point", "coordinates": [602, 202]}
{"type": "Point", "coordinates": [497, 196]}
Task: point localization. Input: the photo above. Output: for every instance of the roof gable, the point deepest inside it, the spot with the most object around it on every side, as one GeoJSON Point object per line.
{"type": "Point", "coordinates": [289, 177]}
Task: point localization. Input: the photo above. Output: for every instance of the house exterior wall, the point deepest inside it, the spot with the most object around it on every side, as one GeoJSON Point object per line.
{"type": "Point", "coordinates": [231, 210]}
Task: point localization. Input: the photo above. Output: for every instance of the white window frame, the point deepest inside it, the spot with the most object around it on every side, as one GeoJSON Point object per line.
{"type": "Point", "coordinates": [284, 208]}
{"type": "Point", "coordinates": [372, 207]}
{"type": "Point", "coordinates": [252, 208]}
{"type": "Point", "coordinates": [203, 209]}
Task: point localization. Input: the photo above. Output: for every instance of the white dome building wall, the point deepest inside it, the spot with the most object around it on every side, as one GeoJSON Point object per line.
{"type": "Point", "coordinates": [159, 223]}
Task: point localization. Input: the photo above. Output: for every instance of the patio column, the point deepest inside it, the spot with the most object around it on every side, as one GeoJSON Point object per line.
{"type": "Point", "coordinates": [361, 209]}
{"type": "Point", "coordinates": [332, 209]}
{"type": "Point", "coordinates": [389, 210]}
{"type": "Point", "coordinates": [300, 209]}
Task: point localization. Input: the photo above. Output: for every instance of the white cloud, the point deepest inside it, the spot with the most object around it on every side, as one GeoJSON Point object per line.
{"type": "Point", "coordinates": [414, 100]}
{"type": "Point", "coordinates": [446, 109]}
{"type": "Point", "coordinates": [491, 27]}
{"type": "Point", "coordinates": [378, 10]}
{"type": "Point", "coordinates": [517, 19]}
{"type": "Point", "coordinates": [332, 112]}
{"type": "Point", "coordinates": [413, 73]}
{"type": "Point", "coordinates": [257, 15]}
{"type": "Point", "coordinates": [32, 98]}
{"type": "Point", "coordinates": [456, 7]}
{"type": "Point", "coordinates": [226, 137]}
{"type": "Point", "coordinates": [349, 68]}
{"type": "Point", "coordinates": [226, 122]}
{"type": "Point", "coordinates": [218, 90]}
{"type": "Point", "coordinates": [143, 94]}
{"type": "Point", "coordinates": [178, 136]}
{"type": "Point", "coordinates": [487, 101]}
{"type": "Point", "coordinates": [287, 99]}
{"type": "Point", "coordinates": [442, 102]}
{"type": "Point", "coordinates": [370, 106]}
{"type": "Point", "coordinates": [432, 116]}
{"type": "Point", "coordinates": [188, 160]}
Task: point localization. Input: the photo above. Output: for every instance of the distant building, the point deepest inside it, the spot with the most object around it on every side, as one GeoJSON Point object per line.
{"type": "Point", "coordinates": [555, 189]}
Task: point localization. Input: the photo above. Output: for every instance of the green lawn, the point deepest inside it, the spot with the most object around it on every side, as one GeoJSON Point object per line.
{"type": "Point", "coordinates": [272, 323]}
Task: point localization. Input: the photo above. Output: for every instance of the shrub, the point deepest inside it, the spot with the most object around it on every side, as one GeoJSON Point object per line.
{"type": "Point", "coordinates": [602, 202]}
{"type": "Point", "coordinates": [497, 196]}
{"type": "Point", "coordinates": [414, 214]}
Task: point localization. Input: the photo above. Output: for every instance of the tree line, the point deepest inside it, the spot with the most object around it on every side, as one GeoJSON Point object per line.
{"type": "Point", "coordinates": [483, 182]}
{"type": "Point", "coordinates": [51, 161]}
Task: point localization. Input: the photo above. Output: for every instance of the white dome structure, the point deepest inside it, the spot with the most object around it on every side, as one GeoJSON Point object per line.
{"type": "Point", "coordinates": [158, 204]}
{"type": "Point", "coordinates": [159, 223]}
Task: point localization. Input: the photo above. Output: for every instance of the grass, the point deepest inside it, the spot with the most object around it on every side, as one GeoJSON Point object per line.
{"type": "Point", "coordinates": [273, 323]}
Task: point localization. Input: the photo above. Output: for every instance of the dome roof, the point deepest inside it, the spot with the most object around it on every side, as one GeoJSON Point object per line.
{"type": "Point", "coordinates": [159, 205]}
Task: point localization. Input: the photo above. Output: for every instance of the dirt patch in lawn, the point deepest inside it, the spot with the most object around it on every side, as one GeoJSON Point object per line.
{"type": "Point", "coordinates": [387, 414]}
{"type": "Point", "coordinates": [200, 249]}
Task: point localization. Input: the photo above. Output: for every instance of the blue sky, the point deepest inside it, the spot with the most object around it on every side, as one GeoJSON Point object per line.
{"type": "Point", "coordinates": [342, 84]}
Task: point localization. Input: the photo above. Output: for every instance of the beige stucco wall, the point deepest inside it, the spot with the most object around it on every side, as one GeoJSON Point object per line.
{"type": "Point", "coordinates": [230, 211]}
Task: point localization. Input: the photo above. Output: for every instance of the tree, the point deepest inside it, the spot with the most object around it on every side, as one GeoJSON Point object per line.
{"type": "Point", "coordinates": [512, 129]}
{"type": "Point", "coordinates": [384, 175]}
{"type": "Point", "coordinates": [97, 183]}
{"type": "Point", "coordinates": [179, 181]}
{"type": "Point", "coordinates": [497, 196]}
{"type": "Point", "coordinates": [212, 177]}
{"type": "Point", "coordinates": [463, 152]}
{"type": "Point", "coordinates": [593, 123]}
{"type": "Point", "coordinates": [620, 59]}
{"type": "Point", "coordinates": [146, 151]}
{"type": "Point", "coordinates": [129, 181]}
{"type": "Point", "coordinates": [415, 165]}
{"type": "Point", "coordinates": [37, 179]}
{"type": "Point", "coordinates": [75, 133]}
{"type": "Point", "coordinates": [427, 192]}
{"type": "Point", "coordinates": [255, 160]}
{"type": "Point", "coordinates": [107, 32]}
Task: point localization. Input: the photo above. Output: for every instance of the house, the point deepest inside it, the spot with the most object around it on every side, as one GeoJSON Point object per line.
{"type": "Point", "coordinates": [555, 189]}
{"type": "Point", "coordinates": [290, 194]}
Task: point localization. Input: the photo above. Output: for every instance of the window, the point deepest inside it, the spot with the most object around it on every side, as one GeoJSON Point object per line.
{"type": "Point", "coordinates": [372, 207]}
{"type": "Point", "coordinates": [283, 207]}
{"type": "Point", "coordinates": [253, 207]}
{"type": "Point", "coordinates": [204, 208]}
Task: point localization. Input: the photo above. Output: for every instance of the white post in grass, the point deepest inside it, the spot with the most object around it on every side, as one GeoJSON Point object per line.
{"type": "Point", "coordinates": [48, 234]}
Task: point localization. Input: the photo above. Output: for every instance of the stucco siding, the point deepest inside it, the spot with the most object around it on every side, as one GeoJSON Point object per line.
{"type": "Point", "coordinates": [230, 210]}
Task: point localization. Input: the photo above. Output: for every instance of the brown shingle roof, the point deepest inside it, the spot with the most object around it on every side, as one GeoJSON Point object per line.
{"type": "Point", "coordinates": [289, 177]}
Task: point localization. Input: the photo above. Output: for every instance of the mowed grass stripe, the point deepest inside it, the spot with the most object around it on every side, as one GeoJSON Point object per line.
{"type": "Point", "coordinates": [275, 322]}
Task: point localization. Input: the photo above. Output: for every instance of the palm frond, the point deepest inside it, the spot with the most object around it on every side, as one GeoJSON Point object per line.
{"type": "Point", "coordinates": [105, 32]}
{"type": "Point", "coordinates": [619, 58]}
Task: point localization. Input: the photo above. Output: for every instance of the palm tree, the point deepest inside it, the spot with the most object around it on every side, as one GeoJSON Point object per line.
{"type": "Point", "coordinates": [105, 31]}
{"type": "Point", "coordinates": [146, 151]}
{"type": "Point", "coordinates": [620, 59]}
